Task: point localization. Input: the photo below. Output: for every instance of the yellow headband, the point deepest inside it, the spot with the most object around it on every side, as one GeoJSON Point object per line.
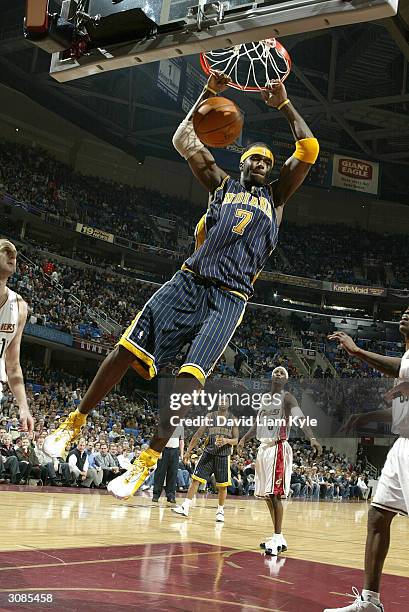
{"type": "Point", "coordinates": [258, 151]}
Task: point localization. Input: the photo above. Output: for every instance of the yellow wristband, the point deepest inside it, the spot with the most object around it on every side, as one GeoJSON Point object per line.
{"type": "Point", "coordinates": [207, 88]}
{"type": "Point", "coordinates": [280, 106]}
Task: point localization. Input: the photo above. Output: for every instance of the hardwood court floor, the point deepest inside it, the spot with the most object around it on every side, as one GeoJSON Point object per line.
{"type": "Point", "coordinates": [92, 552]}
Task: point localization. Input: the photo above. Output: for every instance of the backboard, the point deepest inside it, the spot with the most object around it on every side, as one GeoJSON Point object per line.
{"type": "Point", "coordinates": [183, 27]}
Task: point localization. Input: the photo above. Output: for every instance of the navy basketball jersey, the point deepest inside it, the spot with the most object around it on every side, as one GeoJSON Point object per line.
{"type": "Point", "coordinates": [235, 237]}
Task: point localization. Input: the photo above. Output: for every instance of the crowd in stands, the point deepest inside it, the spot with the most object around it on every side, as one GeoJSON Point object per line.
{"type": "Point", "coordinates": [120, 428]}
{"type": "Point", "coordinates": [259, 342]}
{"type": "Point", "coordinates": [33, 176]}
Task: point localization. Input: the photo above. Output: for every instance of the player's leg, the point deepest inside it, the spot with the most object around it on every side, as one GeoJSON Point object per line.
{"type": "Point", "coordinates": [377, 546]}
{"type": "Point", "coordinates": [184, 507]}
{"type": "Point", "coordinates": [263, 475]}
{"type": "Point", "coordinates": [224, 313]}
{"type": "Point", "coordinates": [222, 474]}
{"type": "Point", "coordinates": [391, 497]}
{"type": "Point", "coordinates": [222, 495]}
{"type": "Point", "coordinates": [155, 326]}
{"type": "Point", "coordinates": [280, 457]}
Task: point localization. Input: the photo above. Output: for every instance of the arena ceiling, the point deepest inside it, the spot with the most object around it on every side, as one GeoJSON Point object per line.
{"type": "Point", "coordinates": [350, 83]}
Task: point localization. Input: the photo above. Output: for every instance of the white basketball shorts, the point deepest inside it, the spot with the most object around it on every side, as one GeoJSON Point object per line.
{"type": "Point", "coordinates": [393, 488]}
{"type": "Point", "coordinates": [274, 465]}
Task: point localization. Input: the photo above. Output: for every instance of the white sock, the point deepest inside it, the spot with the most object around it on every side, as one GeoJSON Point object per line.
{"type": "Point", "coordinates": [371, 596]}
{"type": "Point", "coordinates": [187, 503]}
{"type": "Point", "coordinates": [278, 535]}
{"type": "Point", "coordinates": [220, 509]}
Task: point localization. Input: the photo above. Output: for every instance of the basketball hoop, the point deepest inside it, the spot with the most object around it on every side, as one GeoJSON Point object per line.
{"type": "Point", "coordinates": [251, 66]}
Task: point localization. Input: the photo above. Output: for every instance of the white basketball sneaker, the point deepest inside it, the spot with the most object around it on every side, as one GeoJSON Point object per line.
{"type": "Point", "coordinates": [220, 516]}
{"type": "Point", "coordinates": [181, 510]}
{"type": "Point", "coordinates": [359, 605]}
{"type": "Point", "coordinates": [125, 485]}
{"type": "Point", "coordinates": [273, 546]}
{"type": "Point", "coordinates": [284, 546]}
{"type": "Point", "coordinates": [68, 431]}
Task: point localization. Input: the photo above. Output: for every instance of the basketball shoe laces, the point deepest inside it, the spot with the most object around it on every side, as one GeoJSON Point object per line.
{"type": "Point", "coordinates": [358, 599]}
{"type": "Point", "coordinates": [66, 429]}
{"type": "Point", "coordinates": [137, 469]}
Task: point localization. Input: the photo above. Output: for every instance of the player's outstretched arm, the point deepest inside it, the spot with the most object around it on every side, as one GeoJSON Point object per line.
{"type": "Point", "coordinates": [188, 145]}
{"type": "Point", "coordinates": [292, 407]}
{"type": "Point", "coordinates": [305, 155]}
{"type": "Point", "coordinates": [14, 372]}
{"type": "Point", "coordinates": [195, 439]}
{"type": "Point", "coordinates": [247, 436]}
{"type": "Point", "coordinates": [387, 365]}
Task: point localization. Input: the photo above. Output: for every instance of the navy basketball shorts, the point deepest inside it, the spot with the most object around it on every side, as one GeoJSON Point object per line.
{"type": "Point", "coordinates": [185, 310]}
{"type": "Point", "coordinates": [209, 464]}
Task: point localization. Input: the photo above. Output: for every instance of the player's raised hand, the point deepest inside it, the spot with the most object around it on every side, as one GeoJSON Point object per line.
{"type": "Point", "coordinates": [398, 390]}
{"type": "Point", "coordinates": [275, 94]}
{"type": "Point", "coordinates": [26, 421]}
{"type": "Point", "coordinates": [218, 81]}
{"type": "Point", "coordinates": [345, 341]}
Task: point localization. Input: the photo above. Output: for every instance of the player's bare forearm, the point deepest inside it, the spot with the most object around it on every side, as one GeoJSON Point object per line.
{"type": "Point", "coordinates": [16, 384]}
{"type": "Point", "coordinates": [376, 416]}
{"type": "Point", "coordinates": [308, 433]}
{"type": "Point", "coordinates": [249, 434]}
{"type": "Point", "coordinates": [298, 125]}
{"type": "Point", "coordinates": [195, 439]}
{"type": "Point", "coordinates": [232, 441]}
{"type": "Point", "coordinates": [387, 365]}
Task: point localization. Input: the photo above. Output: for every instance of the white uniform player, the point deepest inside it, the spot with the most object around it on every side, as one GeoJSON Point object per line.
{"type": "Point", "coordinates": [9, 313]}
{"type": "Point", "coordinates": [13, 316]}
{"type": "Point", "coordinates": [392, 495]}
{"type": "Point", "coordinates": [274, 463]}
{"type": "Point", "coordinates": [393, 488]}
{"type": "Point", "coordinates": [275, 456]}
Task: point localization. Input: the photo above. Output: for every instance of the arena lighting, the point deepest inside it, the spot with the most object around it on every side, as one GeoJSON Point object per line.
{"type": "Point", "coordinates": [75, 32]}
{"type": "Point", "coordinates": [94, 36]}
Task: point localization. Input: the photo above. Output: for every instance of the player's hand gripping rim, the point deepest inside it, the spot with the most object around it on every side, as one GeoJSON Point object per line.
{"type": "Point", "coordinates": [218, 81]}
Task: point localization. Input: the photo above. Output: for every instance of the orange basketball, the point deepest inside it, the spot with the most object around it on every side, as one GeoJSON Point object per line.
{"type": "Point", "coordinates": [217, 122]}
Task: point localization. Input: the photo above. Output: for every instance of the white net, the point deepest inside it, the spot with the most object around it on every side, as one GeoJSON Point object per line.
{"type": "Point", "coordinates": [251, 66]}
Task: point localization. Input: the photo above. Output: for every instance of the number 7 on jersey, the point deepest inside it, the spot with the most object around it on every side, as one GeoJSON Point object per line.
{"type": "Point", "coordinates": [245, 216]}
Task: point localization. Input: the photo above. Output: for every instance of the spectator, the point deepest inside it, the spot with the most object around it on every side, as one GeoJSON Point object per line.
{"type": "Point", "coordinates": [108, 464]}
{"type": "Point", "coordinates": [78, 462]}
{"type": "Point", "coordinates": [18, 470]}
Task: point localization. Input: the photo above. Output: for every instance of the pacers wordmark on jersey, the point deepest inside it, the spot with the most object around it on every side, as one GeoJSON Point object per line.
{"type": "Point", "coordinates": [235, 237]}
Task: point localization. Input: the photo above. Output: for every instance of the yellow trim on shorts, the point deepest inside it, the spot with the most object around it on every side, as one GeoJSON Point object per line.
{"type": "Point", "coordinates": [201, 480]}
{"type": "Point", "coordinates": [195, 371]}
{"type": "Point", "coordinates": [139, 353]}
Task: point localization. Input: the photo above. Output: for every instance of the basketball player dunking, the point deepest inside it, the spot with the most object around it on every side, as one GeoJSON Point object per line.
{"type": "Point", "coordinates": [392, 495]}
{"type": "Point", "coordinates": [221, 437]}
{"type": "Point", "coordinates": [203, 303]}
{"type": "Point", "coordinates": [274, 461]}
{"type": "Point", "coordinates": [13, 316]}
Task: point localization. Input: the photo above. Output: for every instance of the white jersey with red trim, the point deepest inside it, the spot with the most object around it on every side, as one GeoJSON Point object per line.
{"type": "Point", "coordinates": [400, 405]}
{"type": "Point", "coordinates": [8, 328]}
{"type": "Point", "coordinates": [272, 423]}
